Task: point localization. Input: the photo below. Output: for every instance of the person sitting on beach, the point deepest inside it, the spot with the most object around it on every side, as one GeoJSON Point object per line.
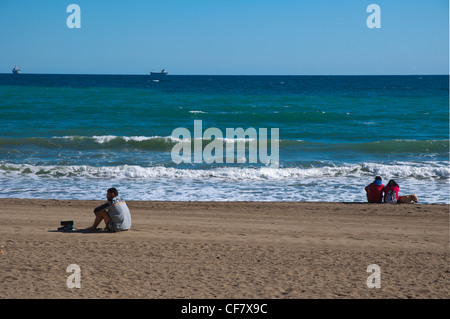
{"type": "Point", "coordinates": [391, 192]}
{"type": "Point", "coordinates": [115, 213]}
{"type": "Point", "coordinates": [375, 191]}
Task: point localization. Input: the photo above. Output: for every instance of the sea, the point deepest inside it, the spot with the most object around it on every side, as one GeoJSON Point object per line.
{"type": "Point", "coordinates": [75, 136]}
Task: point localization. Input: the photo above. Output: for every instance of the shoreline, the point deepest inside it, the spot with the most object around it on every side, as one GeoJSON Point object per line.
{"type": "Point", "coordinates": [184, 202]}
{"type": "Point", "coordinates": [223, 250]}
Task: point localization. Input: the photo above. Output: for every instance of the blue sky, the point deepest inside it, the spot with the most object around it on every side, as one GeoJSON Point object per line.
{"type": "Point", "coordinates": [238, 37]}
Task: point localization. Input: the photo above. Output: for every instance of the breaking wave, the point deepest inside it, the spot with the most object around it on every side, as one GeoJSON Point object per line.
{"type": "Point", "coordinates": [165, 143]}
{"type": "Point", "coordinates": [366, 170]}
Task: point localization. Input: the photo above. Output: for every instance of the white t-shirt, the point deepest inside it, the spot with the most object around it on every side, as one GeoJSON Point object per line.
{"type": "Point", "coordinates": [119, 213]}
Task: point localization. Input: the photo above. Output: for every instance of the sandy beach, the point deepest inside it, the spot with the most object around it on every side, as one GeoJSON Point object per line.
{"type": "Point", "coordinates": [275, 250]}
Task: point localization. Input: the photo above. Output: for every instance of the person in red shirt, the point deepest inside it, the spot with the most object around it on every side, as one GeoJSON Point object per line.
{"type": "Point", "coordinates": [375, 191]}
{"type": "Point", "coordinates": [394, 186]}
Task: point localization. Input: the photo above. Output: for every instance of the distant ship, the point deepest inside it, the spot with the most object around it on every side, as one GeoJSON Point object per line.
{"type": "Point", "coordinates": [16, 70]}
{"type": "Point", "coordinates": [162, 72]}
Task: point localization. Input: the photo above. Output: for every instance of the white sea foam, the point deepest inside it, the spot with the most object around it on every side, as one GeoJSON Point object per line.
{"type": "Point", "coordinates": [399, 170]}
{"type": "Point", "coordinates": [104, 138]}
{"type": "Point", "coordinates": [101, 139]}
{"type": "Point", "coordinates": [328, 183]}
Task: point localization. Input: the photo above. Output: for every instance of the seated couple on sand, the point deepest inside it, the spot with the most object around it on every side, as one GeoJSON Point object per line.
{"type": "Point", "coordinates": [376, 189]}
{"type": "Point", "coordinates": [115, 213]}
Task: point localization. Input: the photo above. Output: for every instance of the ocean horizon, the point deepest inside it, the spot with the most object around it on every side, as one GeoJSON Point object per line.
{"type": "Point", "coordinates": [218, 74]}
{"type": "Point", "coordinates": [72, 136]}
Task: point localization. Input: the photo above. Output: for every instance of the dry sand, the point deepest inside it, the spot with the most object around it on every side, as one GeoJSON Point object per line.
{"type": "Point", "coordinates": [226, 250]}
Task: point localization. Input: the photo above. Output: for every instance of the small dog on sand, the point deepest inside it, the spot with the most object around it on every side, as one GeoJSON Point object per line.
{"type": "Point", "coordinates": [407, 199]}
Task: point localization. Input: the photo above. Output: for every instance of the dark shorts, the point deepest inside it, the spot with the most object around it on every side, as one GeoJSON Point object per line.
{"type": "Point", "coordinates": [111, 227]}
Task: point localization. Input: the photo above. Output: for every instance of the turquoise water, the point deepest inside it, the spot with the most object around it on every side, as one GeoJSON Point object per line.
{"type": "Point", "coordinates": [73, 136]}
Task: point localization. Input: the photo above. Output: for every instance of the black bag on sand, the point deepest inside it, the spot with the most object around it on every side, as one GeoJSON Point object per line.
{"type": "Point", "coordinates": [66, 225]}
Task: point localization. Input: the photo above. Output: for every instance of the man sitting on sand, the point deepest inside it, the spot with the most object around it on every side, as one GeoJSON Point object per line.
{"type": "Point", "coordinates": [375, 191]}
{"type": "Point", "coordinates": [115, 213]}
